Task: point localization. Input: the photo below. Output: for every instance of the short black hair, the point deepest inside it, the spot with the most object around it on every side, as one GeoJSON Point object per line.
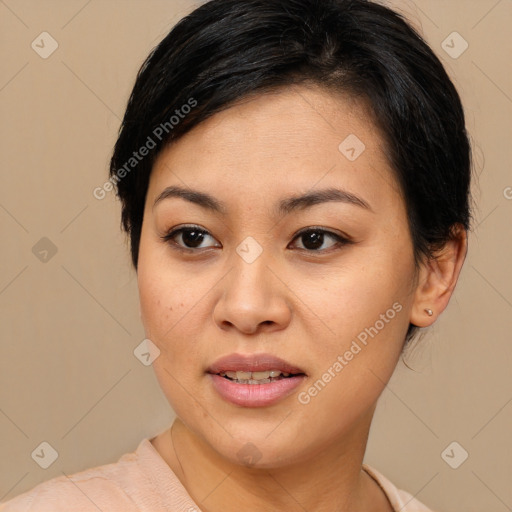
{"type": "Point", "coordinates": [227, 50]}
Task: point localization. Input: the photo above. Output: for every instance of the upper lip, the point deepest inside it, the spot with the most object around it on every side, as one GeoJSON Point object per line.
{"type": "Point", "coordinates": [252, 363]}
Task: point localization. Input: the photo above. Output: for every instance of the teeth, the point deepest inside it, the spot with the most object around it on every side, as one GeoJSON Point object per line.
{"type": "Point", "coordinates": [261, 375]}
{"type": "Point", "coordinates": [254, 377]}
{"type": "Point", "coordinates": [276, 373]}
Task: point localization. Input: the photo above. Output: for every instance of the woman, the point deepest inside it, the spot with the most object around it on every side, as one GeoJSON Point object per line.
{"type": "Point", "coordinates": [294, 179]}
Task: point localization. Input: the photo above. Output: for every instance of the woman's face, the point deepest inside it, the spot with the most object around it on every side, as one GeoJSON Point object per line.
{"type": "Point", "coordinates": [245, 280]}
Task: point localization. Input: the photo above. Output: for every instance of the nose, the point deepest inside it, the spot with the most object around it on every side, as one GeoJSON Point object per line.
{"type": "Point", "coordinates": [253, 299]}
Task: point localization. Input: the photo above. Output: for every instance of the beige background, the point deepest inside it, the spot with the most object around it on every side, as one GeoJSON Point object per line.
{"type": "Point", "coordinates": [68, 375]}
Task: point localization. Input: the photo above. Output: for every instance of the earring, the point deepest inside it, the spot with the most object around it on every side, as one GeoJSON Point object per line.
{"type": "Point", "coordinates": [429, 312]}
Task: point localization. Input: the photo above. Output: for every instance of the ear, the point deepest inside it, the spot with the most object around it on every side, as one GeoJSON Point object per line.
{"type": "Point", "coordinates": [437, 278]}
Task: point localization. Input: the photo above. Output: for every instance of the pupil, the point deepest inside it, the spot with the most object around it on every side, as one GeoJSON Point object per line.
{"type": "Point", "coordinates": [193, 238]}
{"type": "Point", "coordinates": [314, 239]}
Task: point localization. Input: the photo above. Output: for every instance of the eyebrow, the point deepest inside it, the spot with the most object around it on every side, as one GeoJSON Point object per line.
{"type": "Point", "coordinates": [284, 207]}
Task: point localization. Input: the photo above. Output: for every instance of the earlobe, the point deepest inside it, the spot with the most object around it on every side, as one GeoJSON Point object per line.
{"type": "Point", "coordinates": [437, 278]}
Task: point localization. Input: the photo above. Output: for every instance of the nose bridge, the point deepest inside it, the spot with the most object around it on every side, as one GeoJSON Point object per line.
{"type": "Point", "coordinates": [249, 279]}
{"type": "Point", "coordinates": [252, 296]}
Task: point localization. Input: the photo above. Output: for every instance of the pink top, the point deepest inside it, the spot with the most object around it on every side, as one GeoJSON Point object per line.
{"type": "Point", "coordinates": [142, 481]}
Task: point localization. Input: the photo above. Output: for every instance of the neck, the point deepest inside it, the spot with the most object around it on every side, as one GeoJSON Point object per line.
{"type": "Point", "coordinates": [331, 480]}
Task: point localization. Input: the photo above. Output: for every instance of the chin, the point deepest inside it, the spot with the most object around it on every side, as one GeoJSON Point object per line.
{"type": "Point", "coordinates": [259, 451]}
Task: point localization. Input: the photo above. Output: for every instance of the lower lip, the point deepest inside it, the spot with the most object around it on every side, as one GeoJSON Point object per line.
{"type": "Point", "coordinates": [255, 395]}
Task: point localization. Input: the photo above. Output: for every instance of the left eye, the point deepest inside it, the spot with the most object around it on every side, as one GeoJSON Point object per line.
{"type": "Point", "coordinates": [313, 239]}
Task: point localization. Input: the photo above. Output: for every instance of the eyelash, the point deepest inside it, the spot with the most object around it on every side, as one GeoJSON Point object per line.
{"type": "Point", "coordinates": [341, 240]}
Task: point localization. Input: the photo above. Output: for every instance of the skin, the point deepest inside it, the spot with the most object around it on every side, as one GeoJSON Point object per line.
{"type": "Point", "coordinates": [302, 305]}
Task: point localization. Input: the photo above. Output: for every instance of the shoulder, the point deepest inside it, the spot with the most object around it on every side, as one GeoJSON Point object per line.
{"type": "Point", "coordinates": [112, 487]}
{"type": "Point", "coordinates": [401, 500]}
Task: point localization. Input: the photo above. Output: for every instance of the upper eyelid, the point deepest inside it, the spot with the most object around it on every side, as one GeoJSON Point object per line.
{"type": "Point", "coordinates": [320, 228]}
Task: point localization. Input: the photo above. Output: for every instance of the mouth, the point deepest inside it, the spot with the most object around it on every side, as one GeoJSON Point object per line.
{"type": "Point", "coordinates": [260, 377]}
{"type": "Point", "coordinates": [254, 368]}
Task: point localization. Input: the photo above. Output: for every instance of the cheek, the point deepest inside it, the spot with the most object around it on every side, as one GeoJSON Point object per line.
{"type": "Point", "coordinates": [165, 296]}
{"type": "Point", "coordinates": [368, 315]}
{"type": "Point", "coordinates": [366, 309]}
{"type": "Point", "coordinates": [173, 309]}
{"type": "Point", "coordinates": [168, 312]}
{"type": "Point", "coordinates": [157, 302]}
{"type": "Point", "coordinates": [166, 309]}
{"type": "Point", "coordinates": [358, 295]}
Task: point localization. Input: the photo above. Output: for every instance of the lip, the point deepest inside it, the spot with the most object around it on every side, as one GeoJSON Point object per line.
{"type": "Point", "coordinates": [254, 395]}
{"type": "Point", "coordinates": [252, 363]}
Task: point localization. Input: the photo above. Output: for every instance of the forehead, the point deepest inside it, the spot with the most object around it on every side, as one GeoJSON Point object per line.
{"type": "Point", "coordinates": [296, 138]}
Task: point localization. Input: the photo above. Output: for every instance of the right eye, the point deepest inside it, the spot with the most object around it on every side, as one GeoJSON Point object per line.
{"type": "Point", "coordinates": [188, 238]}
